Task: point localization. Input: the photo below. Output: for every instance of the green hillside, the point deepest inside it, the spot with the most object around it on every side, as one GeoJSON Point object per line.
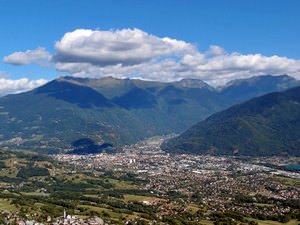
{"type": "Point", "coordinates": [50, 118]}
{"type": "Point", "coordinates": [109, 110]}
{"type": "Point", "coordinates": [267, 125]}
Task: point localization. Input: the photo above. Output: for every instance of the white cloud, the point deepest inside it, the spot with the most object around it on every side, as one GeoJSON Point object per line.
{"type": "Point", "coordinates": [216, 50]}
{"type": "Point", "coordinates": [125, 47]}
{"type": "Point", "coordinates": [39, 56]}
{"type": "Point", "coordinates": [95, 53]}
{"type": "Point", "coordinates": [133, 52]}
{"type": "Point", "coordinates": [223, 68]}
{"type": "Point", "coordinates": [216, 70]}
{"type": "Point", "coordinates": [8, 86]}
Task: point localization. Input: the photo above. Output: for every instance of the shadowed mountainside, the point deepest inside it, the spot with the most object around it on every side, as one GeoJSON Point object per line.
{"type": "Point", "coordinates": [267, 125]}
{"type": "Point", "coordinates": [117, 111]}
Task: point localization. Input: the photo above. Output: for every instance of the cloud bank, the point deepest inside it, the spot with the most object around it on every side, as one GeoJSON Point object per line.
{"type": "Point", "coordinates": [38, 56]}
{"type": "Point", "coordinates": [124, 47]}
{"type": "Point", "coordinates": [8, 86]}
{"type": "Point", "coordinates": [133, 52]}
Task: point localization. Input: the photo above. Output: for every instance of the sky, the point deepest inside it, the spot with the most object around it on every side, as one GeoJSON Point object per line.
{"type": "Point", "coordinates": [164, 40]}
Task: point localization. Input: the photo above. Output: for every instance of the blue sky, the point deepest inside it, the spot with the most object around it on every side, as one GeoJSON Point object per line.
{"type": "Point", "coordinates": [266, 27]}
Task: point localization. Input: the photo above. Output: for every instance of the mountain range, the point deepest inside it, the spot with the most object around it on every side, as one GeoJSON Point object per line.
{"type": "Point", "coordinates": [117, 111]}
{"type": "Point", "coordinates": [263, 126]}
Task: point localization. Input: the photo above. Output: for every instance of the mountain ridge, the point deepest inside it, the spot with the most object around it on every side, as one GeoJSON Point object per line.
{"type": "Point", "coordinates": [262, 126]}
{"type": "Point", "coordinates": [108, 110]}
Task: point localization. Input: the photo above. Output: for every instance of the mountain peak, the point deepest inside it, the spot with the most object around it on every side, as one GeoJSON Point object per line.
{"type": "Point", "coordinates": [73, 93]}
{"type": "Point", "coordinates": [192, 83]}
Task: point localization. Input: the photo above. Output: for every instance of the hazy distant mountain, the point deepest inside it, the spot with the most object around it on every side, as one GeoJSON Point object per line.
{"type": "Point", "coordinates": [243, 89]}
{"type": "Point", "coordinates": [114, 111]}
{"type": "Point", "coordinates": [267, 125]}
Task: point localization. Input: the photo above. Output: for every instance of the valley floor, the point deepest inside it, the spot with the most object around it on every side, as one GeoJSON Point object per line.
{"type": "Point", "coordinates": [144, 185]}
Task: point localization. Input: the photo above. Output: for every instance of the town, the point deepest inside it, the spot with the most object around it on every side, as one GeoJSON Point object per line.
{"type": "Point", "coordinates": [141, 184]}
{"type": "Point", "coordinates": [211, 184]}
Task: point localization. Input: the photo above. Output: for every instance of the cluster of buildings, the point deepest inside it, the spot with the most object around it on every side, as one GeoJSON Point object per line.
{"type": "Point", "coordinates": [215, 182]}
{"type": "Point", "coordinates": [77, 220]}
{"type": "Point", "coordinates": [16, 219]}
